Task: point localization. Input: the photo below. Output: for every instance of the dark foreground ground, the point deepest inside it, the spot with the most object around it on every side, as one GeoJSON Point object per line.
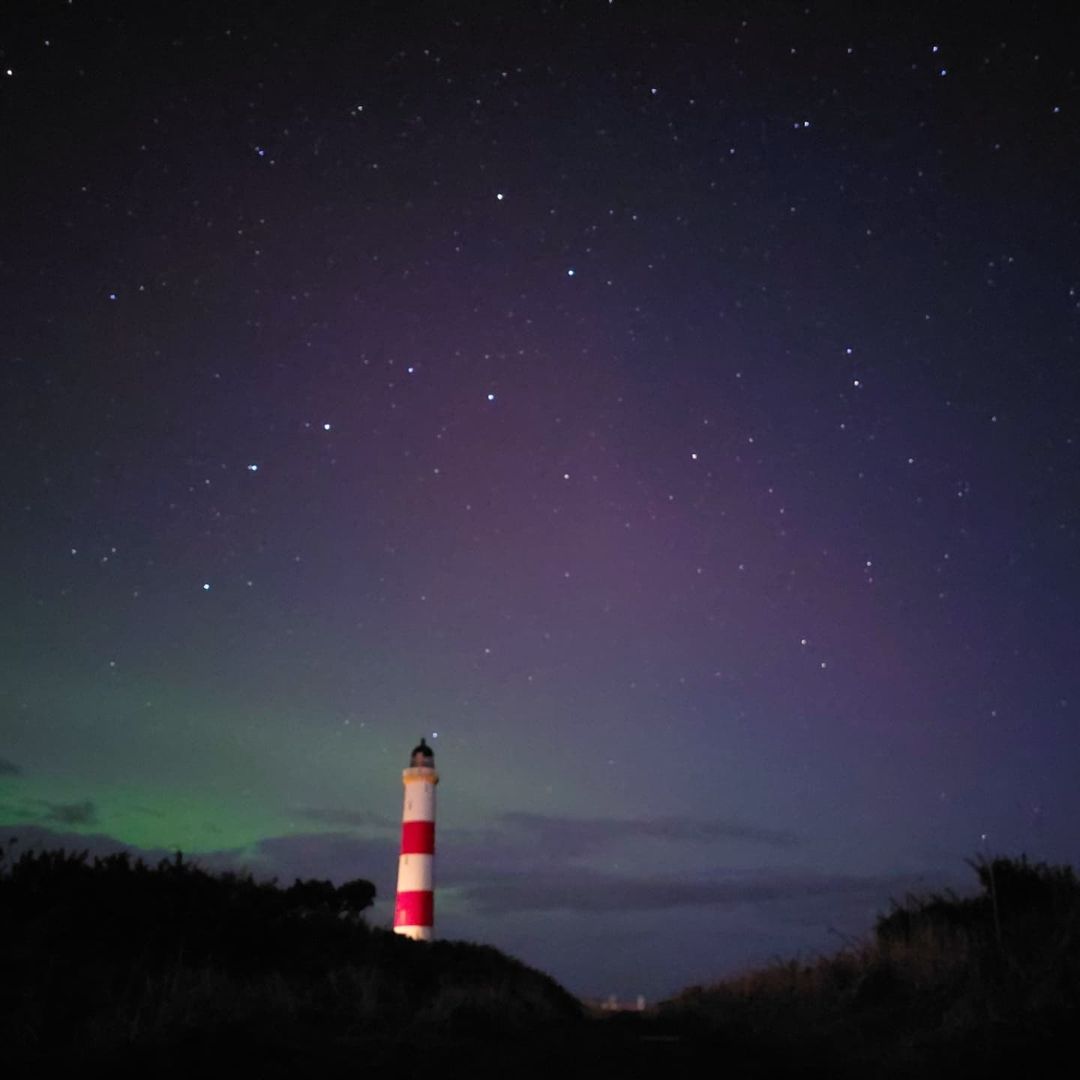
{"type": "Point", "coordinates": [614, 1047]}
{"type": "Point", "coordinates": [112, 967]}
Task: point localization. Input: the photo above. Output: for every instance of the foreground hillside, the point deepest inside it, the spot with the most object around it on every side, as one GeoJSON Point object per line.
{"type": "Point", "coordinates": [110, 959]}
{"type": "Point", "coordinates": [168, 970]}
{"type": "Point", "coordinates": [985, 985]}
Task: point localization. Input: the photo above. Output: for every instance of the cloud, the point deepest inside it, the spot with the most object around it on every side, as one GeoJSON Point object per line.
{"type": "Point", "coordinates": [79, 813]}
{"type": "Point", "coordinates": [487, 883]}
{"type": "Point", "coordinates": [349, 818]}
{"type": "Point", "coordinates": [9, 768]}
{"type": "Point", "coordinates": [541, 863]}
{"type": "Point", "coordinates": [334, 856]}
{"type": "Point", "coordinates": [12, 812]}
{"type": "Point", "coordinates": [528, 843]}
{"type": "Point", "coordinates": [28, 837]}
{"type": "Point", "coordinates": [575, 837]}
{"type": "Point", "coordinates": [76, 813]}
{"type": "Point", "coordinates": [591, 892]}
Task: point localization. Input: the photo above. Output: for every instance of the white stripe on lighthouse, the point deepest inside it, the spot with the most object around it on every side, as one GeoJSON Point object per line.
{"type": "Point", "coordinates": [419, 800]}
{"type": "Point", "coordinates": [415, 872]}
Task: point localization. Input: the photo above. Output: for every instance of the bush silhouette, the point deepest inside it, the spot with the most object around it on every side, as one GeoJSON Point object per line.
{"type": "Point", "coordinates": [946, 984]}
{"type": "Point", "coordinates": [110, 954]}
{"type": "Point", "coordinates": [109, 957]}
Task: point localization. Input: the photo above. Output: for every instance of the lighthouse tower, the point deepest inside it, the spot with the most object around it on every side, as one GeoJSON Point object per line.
{"type": "Point", "coordinates": [414, 912]}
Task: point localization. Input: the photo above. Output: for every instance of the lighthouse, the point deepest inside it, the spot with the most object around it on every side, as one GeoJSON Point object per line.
{"type": "Point", "coordinates": [414, 912]}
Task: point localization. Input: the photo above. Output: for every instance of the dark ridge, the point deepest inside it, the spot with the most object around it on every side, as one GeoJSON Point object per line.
{"type": "Point", "coordinates": [168, 970]}
{"type": "Point", "coordinates": [110, 959]}
{"type": "Point", "coordinates": [986, 985]}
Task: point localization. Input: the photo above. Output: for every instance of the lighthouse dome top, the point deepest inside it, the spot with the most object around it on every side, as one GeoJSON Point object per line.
{"type": "Point", "coordinates": [422, 755]}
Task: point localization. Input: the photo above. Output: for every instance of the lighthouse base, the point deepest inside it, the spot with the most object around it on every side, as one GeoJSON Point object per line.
{"type": "Point", "coordinates": [417, 933]}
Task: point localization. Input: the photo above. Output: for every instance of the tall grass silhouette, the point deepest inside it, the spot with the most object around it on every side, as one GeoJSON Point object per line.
{"type": "Point", "coordinates": [110, 955]}
{"type": "Point", "coordinates": [172, 969]}
{"type": "Point", "coordinates": [945, 982]}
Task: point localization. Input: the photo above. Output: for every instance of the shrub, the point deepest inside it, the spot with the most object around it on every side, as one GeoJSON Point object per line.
{"type": "Point", "coordinates": [111, 954]}
{"type": "Point", "coordinates": [943, 978]}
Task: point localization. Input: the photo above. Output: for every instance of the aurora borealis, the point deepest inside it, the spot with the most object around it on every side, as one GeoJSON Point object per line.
{"type": "Point", "coordinates": [673, 414]}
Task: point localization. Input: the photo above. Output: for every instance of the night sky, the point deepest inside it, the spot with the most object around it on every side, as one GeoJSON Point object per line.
{"type": "Point", "coordinates": [671, 412]}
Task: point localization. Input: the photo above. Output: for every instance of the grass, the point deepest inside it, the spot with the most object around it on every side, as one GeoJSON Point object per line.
{"type": "Point", "coordinates": [112, 959]}
{"type": "Point", "coordinates": [946, 985]}
{"type": "Point", "coordinates": [169, 970]}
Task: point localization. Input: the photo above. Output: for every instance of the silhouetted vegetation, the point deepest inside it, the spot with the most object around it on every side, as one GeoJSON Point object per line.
{"type": "Point", "coordinates": [170, 969]}
{"type": "Point", "coordinates": [947, 985]}
{"type": "Point", "coordinates": [111, 957]}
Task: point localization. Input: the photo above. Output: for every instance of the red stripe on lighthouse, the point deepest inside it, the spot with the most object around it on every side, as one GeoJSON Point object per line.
{"type": "Point", "coordinates": [415, 908]}
{"type": "Point", "coordinates": [418, 838]}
